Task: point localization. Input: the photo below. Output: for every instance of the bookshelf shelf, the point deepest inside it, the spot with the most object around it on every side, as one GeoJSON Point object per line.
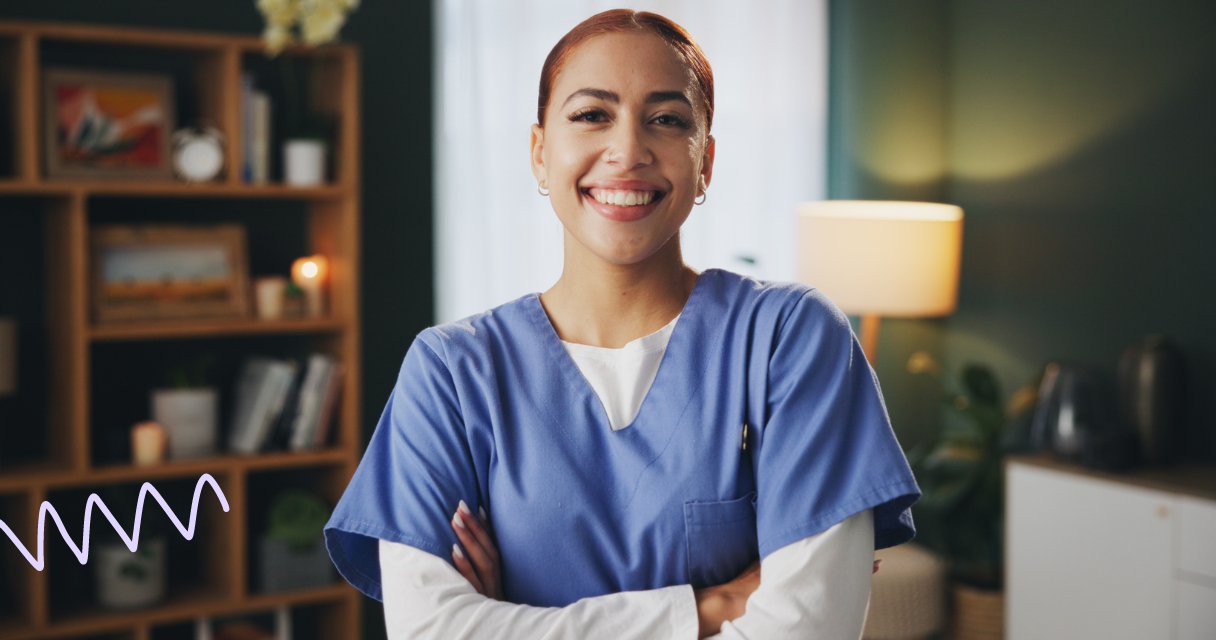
{"type": "Point", "coordinates": [150, 188]}
{"type": "Point", "coordinates": [51, 477]}
{"type": "Point", "coordinates": [214, 328]}
{"type": "Point", "coordinates": [181, 607]}
{"type": "Point", "coordinates": [80, 367]}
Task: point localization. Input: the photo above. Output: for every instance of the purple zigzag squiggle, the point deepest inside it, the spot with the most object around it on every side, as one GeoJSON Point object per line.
{"type": "Point", "coordinates": [132, 541]}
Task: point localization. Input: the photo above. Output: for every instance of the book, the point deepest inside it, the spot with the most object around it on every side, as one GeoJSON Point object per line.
{"type": "Point", "coordinates": [329, 408]}
{"type": "Point", "coordinates": [259, 137]}
{"type": "Point", "coordinates": [247, 89]}
{"type": "Point", "coordinates": [312, 395]}
{"type": "Point", "coordinates": [280, 434]}
{"type": "Point", "coordinates": [261, 392]}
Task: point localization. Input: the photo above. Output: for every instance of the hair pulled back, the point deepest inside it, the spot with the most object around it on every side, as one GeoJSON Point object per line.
{"type": "Point", "coordinates": [628, 20]}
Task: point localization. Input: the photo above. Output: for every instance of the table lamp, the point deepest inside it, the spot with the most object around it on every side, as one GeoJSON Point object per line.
{"type": "Point", "coordinates": [882, 258]}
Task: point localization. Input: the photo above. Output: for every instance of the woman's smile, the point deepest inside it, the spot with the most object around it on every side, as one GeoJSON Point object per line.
{"type": "Point", "coordinates": [623, 200]}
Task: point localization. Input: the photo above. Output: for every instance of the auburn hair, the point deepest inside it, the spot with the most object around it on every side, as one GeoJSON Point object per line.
{"type": "Point", "coordinates": [626, 20]}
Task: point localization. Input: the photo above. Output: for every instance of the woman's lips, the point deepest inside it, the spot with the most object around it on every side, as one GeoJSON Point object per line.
{"type": "Point", "coordinates": [625, 213]}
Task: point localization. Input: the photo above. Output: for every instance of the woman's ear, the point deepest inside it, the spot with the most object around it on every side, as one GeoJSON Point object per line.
{"type": "Point", "coordinates": [707, 161]}
{"type": "Point", "coordinates": [537, 147]}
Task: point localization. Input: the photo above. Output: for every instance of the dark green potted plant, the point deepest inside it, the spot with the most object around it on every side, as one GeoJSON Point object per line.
{"type": "Point", "coordinates": [961, 475]}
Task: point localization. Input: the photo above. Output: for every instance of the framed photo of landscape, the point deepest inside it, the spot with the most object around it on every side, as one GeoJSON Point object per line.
{"type": "Point", "coordinates": [105, 124]}
{"type": "Point", "coordinates": [159, 272]}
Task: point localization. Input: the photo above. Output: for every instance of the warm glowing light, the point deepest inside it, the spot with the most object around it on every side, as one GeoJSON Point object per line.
{"type": "Point", "coordinates": [310, 273]}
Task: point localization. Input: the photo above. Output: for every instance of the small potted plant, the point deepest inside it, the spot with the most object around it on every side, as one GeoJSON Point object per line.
{"type": "Point", "coordinates": [293, 552]}
{"type": "Point", "coordinates": [127, 579]}
{"type": "Point", "coordinates": [187, 410]}
{"type": "Point", "coordinates": [291, 22]}
{"type": "Point", "coordinates": [960, 472]}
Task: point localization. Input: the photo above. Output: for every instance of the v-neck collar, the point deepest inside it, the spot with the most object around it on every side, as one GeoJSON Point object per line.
{"type": "Point", "coordinates": [581, 388]}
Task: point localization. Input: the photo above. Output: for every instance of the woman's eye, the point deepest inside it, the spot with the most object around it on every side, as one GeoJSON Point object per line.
{"type": "Point", "coordinates": [592, 115]}
{"type": "Point", "coordinates": [672, 119]}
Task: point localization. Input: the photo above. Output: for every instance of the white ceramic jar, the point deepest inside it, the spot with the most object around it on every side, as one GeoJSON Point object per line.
{"type": "Point", "coordinates": [304, 162]}
{"type": "Point", "coordinates": [189, 417]}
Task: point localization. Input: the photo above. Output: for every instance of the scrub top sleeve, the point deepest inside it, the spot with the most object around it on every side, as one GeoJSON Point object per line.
{"type": "Point", "coordinates": [826, 449]}
{"type": "Point", "coordinates": [416, 469]}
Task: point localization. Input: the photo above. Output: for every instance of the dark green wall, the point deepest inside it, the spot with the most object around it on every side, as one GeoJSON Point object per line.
{"type": "Point", "coordinates": [395, 38]}
{"type": "Point", "coordinates": [1079, 138]}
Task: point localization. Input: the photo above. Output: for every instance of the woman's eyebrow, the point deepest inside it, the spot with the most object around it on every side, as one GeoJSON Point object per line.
{"type": "Point", "coordinates": [609, 96]}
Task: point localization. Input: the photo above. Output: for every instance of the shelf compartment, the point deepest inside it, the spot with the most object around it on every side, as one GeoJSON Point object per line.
{"type": "Point", "coordinates": [23, 295]}
{"type": "Point", "coordinates": [325, 482]}
{"type": "Point", "coordinates": [195, 569]}
{"type": "Point", "coordinates": [211, 328]}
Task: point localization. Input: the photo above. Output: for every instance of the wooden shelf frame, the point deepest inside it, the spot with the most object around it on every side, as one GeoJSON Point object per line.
{"type": "Point", "coordinates": [332, 227]}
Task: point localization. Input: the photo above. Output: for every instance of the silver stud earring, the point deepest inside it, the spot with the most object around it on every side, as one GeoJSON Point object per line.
{"type": "Point", "coordinates": [538, 186]}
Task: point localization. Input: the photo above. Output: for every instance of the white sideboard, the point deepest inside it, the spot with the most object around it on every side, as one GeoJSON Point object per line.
{"type": "Point", "coordinates": [1116, 557]}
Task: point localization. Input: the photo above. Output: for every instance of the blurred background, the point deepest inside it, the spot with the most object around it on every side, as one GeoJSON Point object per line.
{"type": "Point", "coordinates": [311, 212]}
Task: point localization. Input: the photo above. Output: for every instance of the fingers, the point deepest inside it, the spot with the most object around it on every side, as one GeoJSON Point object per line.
{"type": "Point", "coordinates": [483, 560]}
{"type": "Point", "coordinates": [876, 564]}
{"type": "Point", "coordinates": [466, 569]}
{"type": "Point", "coordinates": [478, 530]}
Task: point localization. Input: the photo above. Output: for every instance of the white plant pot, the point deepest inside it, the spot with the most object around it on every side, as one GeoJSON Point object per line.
{"type": "Point", "coordinates": [127, 580]}
{"type": "Point", "coordinates": [304, 162]}
{"type": "Point", "coordinates": [189, 419]}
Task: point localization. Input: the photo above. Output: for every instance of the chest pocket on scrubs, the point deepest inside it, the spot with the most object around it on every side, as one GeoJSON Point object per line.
{"type": "Point", "coordinates": [721, 539]}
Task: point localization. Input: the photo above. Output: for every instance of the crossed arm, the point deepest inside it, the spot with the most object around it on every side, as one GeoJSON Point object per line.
{"type": "Point", "coordinates": [817, 587]}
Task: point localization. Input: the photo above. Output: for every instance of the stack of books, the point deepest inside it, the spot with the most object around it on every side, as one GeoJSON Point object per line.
{"type": "Point", "coordinates": [282, 406]}
{"type": "Point", "coordinates": [255, 132]}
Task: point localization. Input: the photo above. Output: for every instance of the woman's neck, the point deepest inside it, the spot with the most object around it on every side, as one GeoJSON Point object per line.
{"type": "Point", "coordinates": [602, 304]}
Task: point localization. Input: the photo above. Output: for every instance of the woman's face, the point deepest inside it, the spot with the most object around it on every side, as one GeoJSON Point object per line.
{"type": "Point", "coordinates": [624, 151]}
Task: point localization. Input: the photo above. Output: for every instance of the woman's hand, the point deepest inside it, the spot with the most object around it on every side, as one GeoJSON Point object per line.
{"type": "Point", "coordinates": [724, 602]}
{"type": "Point", "coordinates": [716, 605]}
{"type": "Point", "coordinates": [481, 567]}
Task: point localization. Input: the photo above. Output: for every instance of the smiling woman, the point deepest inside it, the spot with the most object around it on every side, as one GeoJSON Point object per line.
{"type": "Point", "coordinates": [639, 437]}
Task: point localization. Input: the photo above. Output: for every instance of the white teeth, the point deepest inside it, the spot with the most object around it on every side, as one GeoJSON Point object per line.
{"type": "Point", "coordinates": [623, 198]}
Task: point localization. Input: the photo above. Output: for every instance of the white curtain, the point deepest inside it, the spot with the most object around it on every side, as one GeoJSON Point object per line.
{"type": "Point", "coordinates": [496, 238]}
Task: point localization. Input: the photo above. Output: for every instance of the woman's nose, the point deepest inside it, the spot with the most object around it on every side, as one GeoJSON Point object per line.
{"type": "Point", "coordinates": [628, 147]}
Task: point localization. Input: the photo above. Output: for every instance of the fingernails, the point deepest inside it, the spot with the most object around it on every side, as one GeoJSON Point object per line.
{"type": "Point", "coordinates": [465, 508]}
{"type": "Point", "coordinates": [457, 520]}
{"type": "Point", "coordinates": [482, 511]}
{"type": "Point", "coordinates": [456, 550]}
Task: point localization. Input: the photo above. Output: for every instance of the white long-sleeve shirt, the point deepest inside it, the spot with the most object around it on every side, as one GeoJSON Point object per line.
{"type": "Point", "coordinates": [817, 587]}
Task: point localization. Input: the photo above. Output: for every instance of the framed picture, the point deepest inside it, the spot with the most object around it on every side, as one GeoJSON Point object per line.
{"type": "Point", "coordinates": [157, 272]}
{"type": "Point", "coordinates": [107, 125]}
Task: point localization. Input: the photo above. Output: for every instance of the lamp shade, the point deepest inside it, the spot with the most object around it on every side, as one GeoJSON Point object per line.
{"type": "Point", "coordinates": [886, 258]}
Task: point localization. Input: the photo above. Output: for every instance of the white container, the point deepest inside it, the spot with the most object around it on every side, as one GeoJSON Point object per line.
{"type": "Point", "coordinates": [189, 419]}
{"type": "Point", "coordinates": [304, 162]}
{"type": "Point", "coordinates": [126, 579]}
{"type": "Point", "coordinates": [268, 293]}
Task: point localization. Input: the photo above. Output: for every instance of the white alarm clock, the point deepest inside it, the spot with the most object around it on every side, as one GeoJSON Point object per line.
{"type": "Point", "coordinates": [198, 153]}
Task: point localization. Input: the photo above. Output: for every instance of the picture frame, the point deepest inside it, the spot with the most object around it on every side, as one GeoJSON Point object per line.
{"type": "Point", "coordinates": [105, 124]}
{"type": "Point", "coordinates": [157, 272]}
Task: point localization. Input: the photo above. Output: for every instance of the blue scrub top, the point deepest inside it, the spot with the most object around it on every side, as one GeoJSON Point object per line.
{"type": "Point", "coordinates": [491, 409]}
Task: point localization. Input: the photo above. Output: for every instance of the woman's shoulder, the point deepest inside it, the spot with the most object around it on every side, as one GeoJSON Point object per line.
{"type": "Point", "coordinates": [775, 299]}
{"type": "Point", "coordinates": [477, 335]}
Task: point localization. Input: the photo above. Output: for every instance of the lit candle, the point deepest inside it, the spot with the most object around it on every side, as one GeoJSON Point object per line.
{"type": "Point", "coordinates": [310, 273]}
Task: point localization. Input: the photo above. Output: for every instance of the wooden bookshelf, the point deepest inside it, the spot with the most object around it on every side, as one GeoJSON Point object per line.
{"type": "Point", "coordinates": [329, 224]}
